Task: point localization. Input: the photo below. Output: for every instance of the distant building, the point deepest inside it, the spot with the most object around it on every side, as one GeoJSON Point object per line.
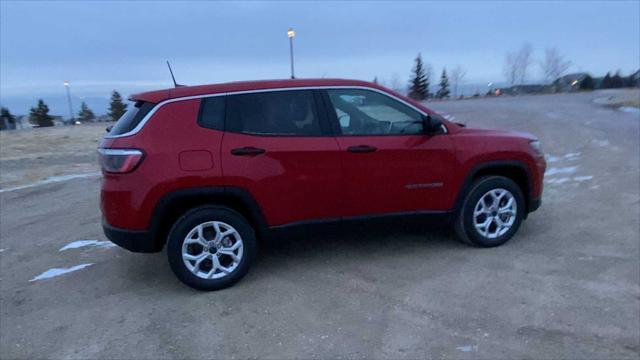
{"type": "Point", "coordinates": [568, 83]}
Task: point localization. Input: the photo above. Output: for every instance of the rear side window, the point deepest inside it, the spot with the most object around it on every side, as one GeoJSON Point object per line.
{"type": "Point", "coordinates": [212, 112]}
{"type": "Point", "coordinates": [291, 113]}
{"type": "Point", "coordinates": [131, 118]}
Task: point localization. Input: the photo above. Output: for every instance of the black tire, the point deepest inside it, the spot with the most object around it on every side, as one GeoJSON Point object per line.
{"type": "Point", "coordinates": [463, 226]}
{"type": "Point", "coordinates": [189, 221]}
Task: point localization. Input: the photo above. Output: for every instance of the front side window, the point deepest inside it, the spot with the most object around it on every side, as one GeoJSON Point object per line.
{"type": "Point", "coordinates": [290, 113]}
{"type": "Point", "coordinates": [366, 112]}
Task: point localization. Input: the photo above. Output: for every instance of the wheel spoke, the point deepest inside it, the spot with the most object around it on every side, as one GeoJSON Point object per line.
{"type": "Point", "coordinates": [198, 240]}
{"type": "Point", "coordinates": [507, 211]}
{"type": "Point", "coordinates": [230, 253]}
{"type": "Point", "coordinates": [484, 227]}
{"type": "Point", "coordinates": [198, 260]}
{"type": "Point", "coordinates": [216, 266]}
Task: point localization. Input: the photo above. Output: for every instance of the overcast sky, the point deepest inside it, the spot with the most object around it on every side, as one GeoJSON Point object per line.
{"type": "Point", "coordinates": [100, 46]}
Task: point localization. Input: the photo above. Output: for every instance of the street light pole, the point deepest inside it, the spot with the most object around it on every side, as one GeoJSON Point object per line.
{"type": "Point", "coordinates": [291, 34]}
{"type": "Point", "coordinates": [66, 85]}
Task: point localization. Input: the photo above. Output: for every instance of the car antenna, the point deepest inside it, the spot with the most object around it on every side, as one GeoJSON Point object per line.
{"type": "Point", "coordinates": [175, 84]}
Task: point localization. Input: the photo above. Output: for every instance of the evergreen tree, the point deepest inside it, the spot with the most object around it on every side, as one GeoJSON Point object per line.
{"type": "Point", "coordinates": [419, 84]}
{"type": "Point", "coordinates": [117, 108]}
{"type": "Point", "coordinates": [39, 115]}
{"type": "Point", "coordinates": [85, 114]}
{"type": "Point", "coordinates": [606, 82]}
{"type": "Point", "coordinates": [443, 92]}
{"type": "Point", "coordinates": [587, 83]}
{"type": "Point", "coordinates": [7, 120]}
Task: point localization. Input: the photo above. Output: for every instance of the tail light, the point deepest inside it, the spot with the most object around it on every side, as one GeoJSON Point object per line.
{"type": "Point", "coordinates": [120, 160]}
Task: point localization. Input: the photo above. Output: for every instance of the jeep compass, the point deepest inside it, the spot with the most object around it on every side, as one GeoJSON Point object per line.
{"type": "Point", "coordinates": [208, 170]}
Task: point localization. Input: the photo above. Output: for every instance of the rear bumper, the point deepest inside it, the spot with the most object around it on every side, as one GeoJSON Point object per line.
{"type": "Point", "coordinates": [132, 240]}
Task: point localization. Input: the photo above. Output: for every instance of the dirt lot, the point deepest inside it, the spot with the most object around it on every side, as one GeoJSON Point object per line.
{"type": "Point", "coordinates": [567, 286]}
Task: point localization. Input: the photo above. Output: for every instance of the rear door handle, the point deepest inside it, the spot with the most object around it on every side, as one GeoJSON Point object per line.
{"type": "Point", "coordinates": [247, 151]}
{"type": "Point", "coordinates": [361, 149]}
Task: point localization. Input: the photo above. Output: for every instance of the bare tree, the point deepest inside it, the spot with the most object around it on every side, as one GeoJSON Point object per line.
{"type": "Point", "coordinates": [457, 74]}
{"type": "Point", "coordinates": [554, 65]}
{"type": "Point", "coordinates": [516, 66]}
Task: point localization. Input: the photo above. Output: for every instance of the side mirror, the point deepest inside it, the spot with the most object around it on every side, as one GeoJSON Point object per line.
{"type": "Point", "coordinates": [109, 128]}
{"type": "Point", "coordinates": [431, 125]}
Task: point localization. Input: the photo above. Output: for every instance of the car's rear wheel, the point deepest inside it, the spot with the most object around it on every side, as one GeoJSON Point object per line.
{"type": "Point", "coordinates": [491, 213]}
{"type": "Point", "coordinates": [211, 247]}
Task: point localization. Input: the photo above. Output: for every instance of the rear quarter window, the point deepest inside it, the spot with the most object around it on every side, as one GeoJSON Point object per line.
{"type": "Point", "coordinates": [212, 113]}
{"type": "Point", "coordinates": [131, 118]}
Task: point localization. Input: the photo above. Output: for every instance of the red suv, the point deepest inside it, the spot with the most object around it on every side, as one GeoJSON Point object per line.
{"type": "Point", "coordinates": [210, 169]}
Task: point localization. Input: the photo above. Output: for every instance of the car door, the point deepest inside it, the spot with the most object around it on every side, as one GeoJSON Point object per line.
{"type": "Point", "coordinates": [278, 147]}
{"type": "Point", "coordinates": [389, 164]}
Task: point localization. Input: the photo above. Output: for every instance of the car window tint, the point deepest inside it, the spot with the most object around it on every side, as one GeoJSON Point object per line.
{"type": "Point", "coordinates": [366, 112]}
{"type": "Point", "coordinates": [273, 113]}
{"type": "Point", "coordinates": [131, 118]}
{"type": "Point", "coordinates": [212, 112]}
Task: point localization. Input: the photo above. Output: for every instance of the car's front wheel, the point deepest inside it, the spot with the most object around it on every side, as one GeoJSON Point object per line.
{"type": "Point", "coordinates": [211, 247]}
{"type": "Point", "coordinates": [491, 212]}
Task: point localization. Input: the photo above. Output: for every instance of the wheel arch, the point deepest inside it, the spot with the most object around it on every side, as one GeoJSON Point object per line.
{"type": "Point", "coordinates": [511, 169]}
{"type": "Point", "coordinates": [174, 204]}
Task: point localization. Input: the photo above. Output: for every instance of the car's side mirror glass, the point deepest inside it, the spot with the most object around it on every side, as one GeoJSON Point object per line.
{"type": "Point", "coordinates": [431, 125]}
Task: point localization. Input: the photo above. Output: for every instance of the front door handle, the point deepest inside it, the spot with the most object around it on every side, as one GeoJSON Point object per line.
{"type": "Point", "coordinates": [361, 149]}
{"type": "Point", "coordinates": [247, 151]}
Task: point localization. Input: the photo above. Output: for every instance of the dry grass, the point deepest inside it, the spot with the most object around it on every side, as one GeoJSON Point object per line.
{"type": "Point", "coordinates": [31, 155]}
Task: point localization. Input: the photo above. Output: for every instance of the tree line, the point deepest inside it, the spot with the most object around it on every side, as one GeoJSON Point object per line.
{"type": "Point", "coordinates": [419, 84]}
{"type": "Point", "coordinates": [39, 114]}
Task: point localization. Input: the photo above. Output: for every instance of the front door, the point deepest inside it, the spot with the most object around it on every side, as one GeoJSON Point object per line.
{"type": "Point", "coordinates": [277, 147]}
{"type": "Point", "coordinates": [389, 164]}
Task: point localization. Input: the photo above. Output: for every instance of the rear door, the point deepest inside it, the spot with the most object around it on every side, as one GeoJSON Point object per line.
{"type": "Point", "coordinates": [278, 147]}
{"type": "Point", "coordinates": [389, 164]}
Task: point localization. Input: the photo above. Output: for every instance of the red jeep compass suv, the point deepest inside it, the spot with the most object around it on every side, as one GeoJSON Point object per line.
{"type": "Point", "coordinates": [209, 169]}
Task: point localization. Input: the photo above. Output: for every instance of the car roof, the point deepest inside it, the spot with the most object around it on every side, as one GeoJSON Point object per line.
{"type": "Point", "coordinates": [186, 91]}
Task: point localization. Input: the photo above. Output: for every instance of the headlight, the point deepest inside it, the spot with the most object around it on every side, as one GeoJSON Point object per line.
{"type": "Point", "coordinates": [535, 144]}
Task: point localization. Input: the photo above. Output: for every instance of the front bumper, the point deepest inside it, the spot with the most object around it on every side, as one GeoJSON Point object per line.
{"type": "Point", "coordinates": [132, 240]}
{"type": "Point", "coordinates": [534, 204]}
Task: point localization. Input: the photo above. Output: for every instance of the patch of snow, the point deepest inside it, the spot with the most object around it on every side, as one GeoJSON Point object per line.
{"type": "Point", "coordinates": [552, 115]}
{"type": "Point", "coordinates": [601, 143]}
{"type": "Point", "coordinates": [562, 170]}
{"type": "Point", "coordinates": [572, 156]}
{"type": "Point", "coordinates": [59, 271]}
{"type": "Point", "coordinates": [52, 179]}
{"type": "Point", "coordinates": [583, 178]}
{"type": "Point", "coordinates": [467, 348]}
{"type": "Point", "coordinates": [558, 180]}
{"type": "Point", "coordinates": [630, 109]}
{"type": "Point", "coordinates": [2, 250]}
{"type": "Point", "coordinates": [551, 158]}
{"type": "Point", "coordinates": [83, 243]}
